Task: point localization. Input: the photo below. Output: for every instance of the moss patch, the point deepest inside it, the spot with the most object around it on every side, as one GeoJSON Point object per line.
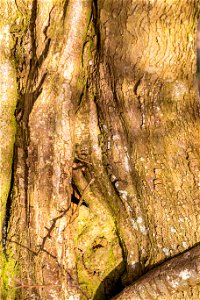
{"type": "Point", "coordinates": [99, 255]}
{"type": "Point", "coordinates": [9, 275]}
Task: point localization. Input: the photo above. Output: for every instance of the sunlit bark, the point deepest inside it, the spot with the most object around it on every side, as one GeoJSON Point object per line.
{"type": "Point", "coordinates": [105, 173]}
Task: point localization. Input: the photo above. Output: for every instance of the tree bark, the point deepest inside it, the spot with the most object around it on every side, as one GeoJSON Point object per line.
{"type": "Point", "coordinates": [162, 282]}
{"type": "Point", "coordinates": [104, 181]}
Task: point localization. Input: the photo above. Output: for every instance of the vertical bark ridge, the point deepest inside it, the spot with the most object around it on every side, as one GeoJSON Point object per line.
{"type": "Point", "coordinates": [8, 99]}
{"type": "Point", "coordinates": [51, 92]}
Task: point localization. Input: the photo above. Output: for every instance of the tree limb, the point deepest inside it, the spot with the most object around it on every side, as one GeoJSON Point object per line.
{"type": "Point", "coordinates": [172, 276]}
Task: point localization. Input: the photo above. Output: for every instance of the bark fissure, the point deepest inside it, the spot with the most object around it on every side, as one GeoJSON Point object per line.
{"type": "Point", "coordinates": [5, 222]}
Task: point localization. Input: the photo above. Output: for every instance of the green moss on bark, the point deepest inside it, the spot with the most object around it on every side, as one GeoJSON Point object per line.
{"type": "Point", "coordinates": [99, 255]}
{"type": "Point", "coordinates": [9, 277]}
{"type": "Point", "coordinates": [8, 97]}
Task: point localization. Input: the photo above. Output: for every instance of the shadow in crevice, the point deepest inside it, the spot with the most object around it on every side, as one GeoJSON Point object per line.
{"type": "Point", "coordinates": [6, 219]}
{"type": "Point", "coordinates": [111, 285]}
{"type": "Point", "coordinates": [107, 289]}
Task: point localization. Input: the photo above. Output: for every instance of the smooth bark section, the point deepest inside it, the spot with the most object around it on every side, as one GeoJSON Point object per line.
{"type": "Point", "coordinates": [171, 277]}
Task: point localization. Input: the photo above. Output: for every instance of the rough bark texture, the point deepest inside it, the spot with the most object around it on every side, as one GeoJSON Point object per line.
{"type": "Point", "coordinates": [105, 176]}
{"type": "Point", "coordinates": [166, 280]}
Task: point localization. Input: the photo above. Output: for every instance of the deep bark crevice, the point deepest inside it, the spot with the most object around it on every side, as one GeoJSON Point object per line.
{"type": "Point", "coordinates": [5, 223]}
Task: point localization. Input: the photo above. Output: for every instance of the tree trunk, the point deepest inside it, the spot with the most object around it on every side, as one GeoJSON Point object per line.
{"type": "Point", "coordinates": [104, 181]}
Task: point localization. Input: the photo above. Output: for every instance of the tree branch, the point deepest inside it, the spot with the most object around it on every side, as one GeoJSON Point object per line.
{"type": "Point", "coordinates": [173, 276]}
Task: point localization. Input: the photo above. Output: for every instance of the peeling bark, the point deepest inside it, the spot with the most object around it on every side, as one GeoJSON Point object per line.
{"type": "Point", "coordinates": [106, 159]}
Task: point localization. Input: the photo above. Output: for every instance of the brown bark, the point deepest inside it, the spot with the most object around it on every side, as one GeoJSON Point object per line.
{"type": "Point", "coordinates": [106, 166]}
{"type": "Point", "coordinates": [162, 282]}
